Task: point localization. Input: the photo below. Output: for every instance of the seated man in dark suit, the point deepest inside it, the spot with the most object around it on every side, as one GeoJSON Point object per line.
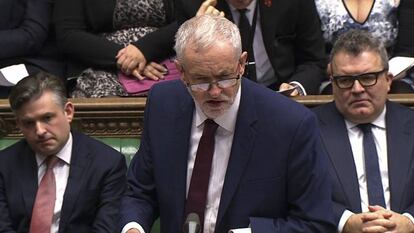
{"type": "Point", "coordinates": [25, 38]}
{"type": "Point", "coordinates": [284, 40]}
{"type": "Point", "coordinates": [55, 180]}
{"type": "Point", "coordinates": [224, 152]}
{"type": "Point", "coordinates": [369, 140]}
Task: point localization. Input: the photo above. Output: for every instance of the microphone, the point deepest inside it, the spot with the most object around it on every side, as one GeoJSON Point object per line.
{"type": "Point", "coordinates": [192, 224]}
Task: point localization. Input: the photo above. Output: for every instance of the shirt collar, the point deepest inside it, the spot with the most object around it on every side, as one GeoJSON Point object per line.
{"type": "Point", "coordinates": [64, 154]}
{"type": "Point", "coordinates": [227, 120]}
{"type": "Point", "coordinates": [379, 122]}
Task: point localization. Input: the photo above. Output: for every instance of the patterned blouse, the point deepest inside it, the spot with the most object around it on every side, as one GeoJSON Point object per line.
{"type": "Point", "coordinates": [336, 19]}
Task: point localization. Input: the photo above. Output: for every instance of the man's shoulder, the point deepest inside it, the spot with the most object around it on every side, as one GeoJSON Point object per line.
{"type": "Point", "coordinates": [14, 153]}
{"type": "Point", "coordinates": [323, 109]}
{"type": "Point", "coordinates": [269, 99]}
{"type": "Point", "coordinates": [168, 90]}
{"type": "Point", "coordinates": [86, 143]}
{"type": "Point", "coordinates": [402, 111]}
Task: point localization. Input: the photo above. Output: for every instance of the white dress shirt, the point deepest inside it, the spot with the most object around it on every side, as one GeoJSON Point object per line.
{"type": "Point", "coordinates": [222, 147]}
{"type": "Point", "coordinates": [61, 172]}
{"type": "Point", "coordinates": [355, 136]}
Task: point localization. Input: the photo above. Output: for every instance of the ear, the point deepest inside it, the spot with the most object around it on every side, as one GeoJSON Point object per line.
{"type": "Point", "coordinates": [389, 78]}
{"type": "Point", "coordinates": [242, 61]}
{"type": "Point", "coordinates": [180, 69]}
{"type": "Point", "coordinates": [329, 70]}
{"type": "Point", "coordinates": [69, 111]}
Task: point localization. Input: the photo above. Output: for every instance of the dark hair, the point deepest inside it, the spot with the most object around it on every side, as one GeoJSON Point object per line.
{"type": "Point", "coordinates": [355, 42]}
{"type": "Point", "coordinates": [32, 87]}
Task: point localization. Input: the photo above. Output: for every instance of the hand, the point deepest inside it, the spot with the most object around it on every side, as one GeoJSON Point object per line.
{"type": "Point", "coordinates": [399, 222]}
{"type": "Point", "coordinates": [155, 71]}
{"type": "Point", "coordinates": [131, 60]}
{"type": "Point", "coordinates": [377, 221]}
{"type": "Point", "coordinates": [286, 87]}
{"type": "Point", "coordinates": [353, 224]}
{"type": "Point", "coordinates": [208, 7]}
{"type": "Point", "coordinates": [133, 230]}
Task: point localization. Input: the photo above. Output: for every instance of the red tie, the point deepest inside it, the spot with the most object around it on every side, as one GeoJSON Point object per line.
{"type": "Point", "coordinates": [197, 193]}
{"type": "Point", "coordinates": [45, 200]}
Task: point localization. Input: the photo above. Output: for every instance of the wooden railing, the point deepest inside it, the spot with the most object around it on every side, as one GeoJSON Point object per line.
{"type": "Point", "coordinates": [123, 117]}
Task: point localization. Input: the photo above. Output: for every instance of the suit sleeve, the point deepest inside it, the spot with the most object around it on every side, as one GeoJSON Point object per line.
{"type": "Point", "coordinates": [111, 191]}
{"type": "Point", "coordinates": [405, 40]}
{"type": "Point", "coordinates": [30, 35]}
{"type": "Point", "coordinates": [310, 56]}
{"type": "Point", "coordinates": [159, 44]}
{"type": "Point", "coordinates": [140, 201]}
{"type": "Point", "coordinates": [5, 220]}
{"type": "Point", "coordinates": [77, 24]}
{"type": "Point", "coordinates": [308, 186]}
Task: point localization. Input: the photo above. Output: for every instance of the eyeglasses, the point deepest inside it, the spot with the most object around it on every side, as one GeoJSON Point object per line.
{"type": "Point", "coordinates": [224, 83]}
{"type": "Point", "coordinates": [366, 80]}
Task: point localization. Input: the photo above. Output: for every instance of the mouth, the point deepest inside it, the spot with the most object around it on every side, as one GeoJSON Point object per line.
{"type": "Point", "coordinates": [359, 101]}
{"type": "Point", "coordinates": [44, 141]}
{"type": "Point", "coordinates": [215, 103]}
{"type": "Point", "coordinates": [360, 104]}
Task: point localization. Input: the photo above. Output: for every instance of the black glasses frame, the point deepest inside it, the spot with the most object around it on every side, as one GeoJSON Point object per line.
{"type": "Point", "coordinates": [358, 77]}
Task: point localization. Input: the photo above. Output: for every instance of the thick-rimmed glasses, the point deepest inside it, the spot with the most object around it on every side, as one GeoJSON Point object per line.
{"type": "Point", "coordinates": [366, 79]}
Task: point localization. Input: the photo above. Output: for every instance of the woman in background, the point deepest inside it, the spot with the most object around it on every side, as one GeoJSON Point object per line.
{"type": "Point", "coordinates": [379, 17]}
{"type": "Point", "coordinates": [101, 38]}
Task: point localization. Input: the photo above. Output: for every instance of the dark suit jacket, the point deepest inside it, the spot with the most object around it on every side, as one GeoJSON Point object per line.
{"type": "Point", "coordinates": [276, 178]}
{"type": "Point", "coordinates": [78, 27]}
{"type": "Point", "coordinates": [292, 38]}
{"type": "Point", "coordinates": [405, 40]}
{"type": "Point", "coordinates": [25, 36]}
{"type": "Point", "coordinates": [400, 149]}
{"type": "Point", "coordinates": [91, 199]}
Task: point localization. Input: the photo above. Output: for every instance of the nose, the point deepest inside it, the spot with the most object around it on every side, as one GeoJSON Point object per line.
{"type": "Point", "coordinates": [40, 129]}
{"type": "Point", "coordinates": [357, 88]}
{"type": "Point", "coordinates": [214, 90]}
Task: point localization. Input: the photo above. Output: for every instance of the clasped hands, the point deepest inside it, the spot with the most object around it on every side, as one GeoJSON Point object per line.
{"type": "Point", "coordinates": [131, 61]}
{"type": "Point", "coordinates": [378, 220]}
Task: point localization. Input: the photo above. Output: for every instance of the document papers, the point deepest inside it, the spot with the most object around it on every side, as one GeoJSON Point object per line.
{"type": "Point", "coordinates": [10, 75]}
{"type": "Point", "coordinates": [399, 65]}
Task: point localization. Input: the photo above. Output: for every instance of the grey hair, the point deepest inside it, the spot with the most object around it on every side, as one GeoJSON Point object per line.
{"type": "Point", "coordinates": [201, 32]}
{"type": "Point", "coordinates": [32, 87]}
{"type": "Point", "coordinates": [355, 42]}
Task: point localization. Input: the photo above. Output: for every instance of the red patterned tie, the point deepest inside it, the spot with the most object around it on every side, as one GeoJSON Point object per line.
{"type": "Point", "coordinates": [197, 192]}
{"type": "Point", "coordinates": [45, 200]}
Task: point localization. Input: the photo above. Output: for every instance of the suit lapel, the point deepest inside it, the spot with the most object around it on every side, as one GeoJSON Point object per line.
{"type": "Point", "coordinates": [241, 151]}
{"type": "Point", "coordinates": [79, 162]}
{"type": "Point", "coordinates": [336, 142]}
{"type": "Point", "coordinates": [267, 13]}
{"type": "Point", "coordinates": [28, 177]}
{"type": "Point", "coordinates": [400, 148]}
{"type": "Point", "coordinates": [180, 147]}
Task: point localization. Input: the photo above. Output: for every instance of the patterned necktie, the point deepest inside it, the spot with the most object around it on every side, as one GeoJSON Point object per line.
{"type": "Point", "coordinates": [45, 199]}
{"type": "Point", "coordinates": [197, 192]}
{"type": "Point", "coordinates": [373, 175]}
{"type": "Point", "coordinates": [247, 43]}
